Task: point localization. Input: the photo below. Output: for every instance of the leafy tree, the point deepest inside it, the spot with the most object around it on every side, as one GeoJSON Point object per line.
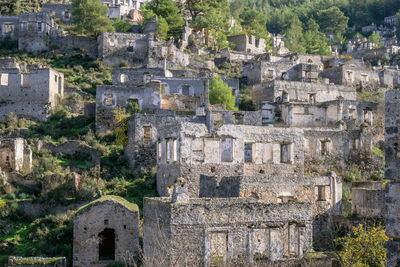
{"type": "Point", "coordinates": [221, 93]}
{"type": "Point", "coordinates": [90, 17]}
{"type": "Point", "coordinates": [315, 42]}
{"type": "Point", "coordinates": [167, 10]}
{"type": "Point", "coordinates": [212, 14]}
{"type": "Point", "coordinates": [133, 107]}
{"type": "Point", "coordinates": [294, 35]}
{"type": "Point", "coordinates": [364, 246]}
{"type": "Point", "coordinates": [332, 20]}
{"type": "Point", "coordinates": [255, 23]}
{"type": "Point", "coordinates": [376, 39]}
{"type": "Point", "coordinates": [121, 26]}
{"type": "Point", "coordinates": [221, 41]}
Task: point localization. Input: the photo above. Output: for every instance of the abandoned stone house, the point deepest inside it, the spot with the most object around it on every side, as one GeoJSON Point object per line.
{"type": "Point", "coordinates": [29, 90]}
{"type": "Point", "coordinates": [233, 231]}
{"type": "Point", "coordinates": [249, 44]}
{"type": "Point", "coordinates": [105, 230]}
{"type": "Point", "coordinates": [15, 155]}
{"type": "Point", "coordinates": [121, 8]}
{"type": "Point", "coordinates": [61, 12]}
{"type": "Point", "coordinates": [138, 50]}
{"type": "Point", "coordinates": [152, 91]}
{"type": "Point", "coordinates": [32, 30]}
{"type": "Point", "coordinates": [392, 172]}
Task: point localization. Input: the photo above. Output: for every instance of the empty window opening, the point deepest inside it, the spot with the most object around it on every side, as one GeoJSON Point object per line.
{"type": "Point", "coordinates": [133, 106]}
{"type": "Point", "coordinates": [107, 244]}
{"type": "Point", "coordinates": [367, 115]}
{"type": "Point", "coordinates": [185, 89]}
{"type": "Point", "coordinates": [311, 98]}
{"type": "Point", "coordinates": [4, 79]}
{"type": "Point", "coordinates": [55, 78]}
{"type": "Point", "coordinates": [356, 144]}
{"type": "Point", "coordinates": [309, 61]}
{"type": "Point", "coordinates": [122, 78]}
{"type": "Point", "coordinates": [283, 76]}
{"type": "Point", "coordinates": [105, 222]}
{"type": "Point", "coordinates": [25, 80]}
{"type": "Point", "coordinates": [270, 74]}
{"type": "Point", "coordinates": [108, 99]}
{"type": "Point", "coordinates": [364, 77]}
{"type": "Point", "coordinates": [248, 152]}
{"type": "Point", "coordinates": [285, 96]}
{"type": "Point", "coordinates": [174, 150]}
{"type": "Point", "coordinates": [39, 27]}
{"type": "Point", "coordinates": [168, 143]}
{"type": "Point", "coordinates": [325, 147]}
{"type": "Point", "coordinates": [352, 113]}
{"type": "Point", "coordinates": [131, 47]}
{"type": "Point", "coordinates": [218, 248]}
{"type": "Point", "coordinates": [285, 153]}
{"type": "Point", "coordinates": [147, 133]}
{"type": "Point", "coordinates": [159, 145]}
{"type": "Point", "coordinates": [8, 28]}
{"type": "Point", "coordinates": [238, 118]}
{"type": "Point", "coordinates": [226, 150]}
{"type": "Point", "coordinates": [321, 193]}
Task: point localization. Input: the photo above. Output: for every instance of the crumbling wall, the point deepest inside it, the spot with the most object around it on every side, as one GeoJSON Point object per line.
{"type": "Point", "coordinates": [249, 44]}
{"type": "Point", "coordinates": [9, 27]}
{"type": "Point", "coordinates": [237, 231]}
{"type": "Point", "coordinates": [109, 97]}
{"type": "Point", "coordinates": [87, 45]}
{"type": "Point", "coordinates": [117, 47]}
{"type": "Point", "coordinates": [63, 12]}
{"type": "Point", "coordinates": [366, 201]}
{"type": "Point", "coordinates": [287, 91]}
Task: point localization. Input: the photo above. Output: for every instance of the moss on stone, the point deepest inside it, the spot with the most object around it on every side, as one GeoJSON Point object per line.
{"type": "Point", "coordinates": [129, 205]}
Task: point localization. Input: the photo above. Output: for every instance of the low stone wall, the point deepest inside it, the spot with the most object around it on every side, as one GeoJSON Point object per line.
{"type": "Point", "coordinates": [368, 200]}
{"type": "Point", "coordinates": [37, 262]}
{"type": "Point", "coordinates": [85, 44]}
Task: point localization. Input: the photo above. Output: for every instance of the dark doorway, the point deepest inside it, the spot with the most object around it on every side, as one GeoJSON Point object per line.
{"type": "Point", "coordinates": [107, 245]}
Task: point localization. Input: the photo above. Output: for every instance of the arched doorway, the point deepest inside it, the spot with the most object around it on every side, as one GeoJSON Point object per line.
{"type": "Point", "coordinates": [107, 244]}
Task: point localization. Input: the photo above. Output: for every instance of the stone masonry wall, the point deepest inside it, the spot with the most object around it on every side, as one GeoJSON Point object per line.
{"type": "Point", "coordinates": [235, 231]}
{"type": "Point", "coordinates": [392, 171]}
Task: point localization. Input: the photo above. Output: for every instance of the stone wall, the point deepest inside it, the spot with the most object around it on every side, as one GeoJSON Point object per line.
{"type": "Point", "coordinates": [111, 220]}
{"type": "Point", "coordinates": [235, 231]}
{"type": "Point", "coordinates": [15, 155]}
{"type": "Point", "coordinates": [248, 44]}
{"type": "Point", "coordinates": [87, 45]}
{"type": "Point", "coordinates": [353, 76]}
{"type": "Point", "coordinates": [290, 91]}
{"type": "Point", "coordinates": [109, 97]}
{"type": "Point", "coordinates": [189, 149]}
{"type": "Point", "coordinates": [9, 27]}
{"type": "Point", "coordinates": [117, 47]}
{"type": "Point", "coordinates": [366, 201]}
{"type": "Point", "coordinates": [63, 12]}
{"type": "Point", "coordinates": [392, 171]}
{"type": "Point", "coordinates": [32, 94]}
{"type": "Point", "coordinates": [37, 261]}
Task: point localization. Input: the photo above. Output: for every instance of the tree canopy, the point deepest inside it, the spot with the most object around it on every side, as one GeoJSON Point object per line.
{"type": "Point", "coordinates": [90, 17]}
{"type": "Point", "coordinates": [221, 93]}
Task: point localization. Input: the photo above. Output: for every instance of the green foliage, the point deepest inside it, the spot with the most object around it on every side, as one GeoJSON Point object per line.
{"type": "Point", "coordinates": [133, 107]}
{"type": "Point", "coordinates": [376, 39]}
{"type": "Point", "coordinates": [163, 28]}
{"type": "Point", "coordinates": [315, 42]}
{"type": "Point", "coordinates": [168, 10]}
{"type": "Point", "coordinates": [121, 117]}
{"type": "Point", "coordinates": [59, 112]}
{"type": "Point", "coordinates": [346, 194]}
{"type": "Point", "coordinates": [221, 93]}
{"type": "Point", "coordinates": [363, 247]}
{"type": "Point", "coordinates": [352, 175]}
{"type": "Point", "coordinates": [294, 35]}
{"type": "Point", "coordinates": [254, 23]}
{"type": "Point", "coordinates": [332, 20]}
{"type": "Point", "coordinates": [210, 14]}
{"type": "Point", "coordinates": [220, 39]}
{"type": "Point", "coordinates": [121, 26]}
{"type": "Point", "coordinates": [90, 17]}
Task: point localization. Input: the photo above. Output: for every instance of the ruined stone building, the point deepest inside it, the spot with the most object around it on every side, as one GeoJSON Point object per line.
{"type": "Point", "coordinates": [249, 44]}
{"type": "Point", "coordinates": [62, 12]}
{"type": "Point", "coordinates": [153, 90]}
{"type": "Point", "coordinates": [33, 31]}
{"type": "Point", "coordinates": [121, 8]}
{"type": "Point", "coordinates": [105, 230]}
{"type": "Point", "coordinates": [15, 155]}
{"type": "Point", "coordinates": [213, 231]}
{"type": "Point", "coordinates": [392, 172]}
{"type": "Point", "coordinates": [29, 90]}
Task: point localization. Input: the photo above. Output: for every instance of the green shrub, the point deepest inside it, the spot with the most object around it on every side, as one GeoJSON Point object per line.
{"type": "Point", "coordinates": [59, 112]}
{"type": "Point", "coordinates": [346, 194]}
{"type": "Point", "coordinates": [353, 175]}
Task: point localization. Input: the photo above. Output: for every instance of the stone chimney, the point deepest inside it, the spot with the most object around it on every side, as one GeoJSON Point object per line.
{"type": "Point", "coordinates": [180, 193]}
